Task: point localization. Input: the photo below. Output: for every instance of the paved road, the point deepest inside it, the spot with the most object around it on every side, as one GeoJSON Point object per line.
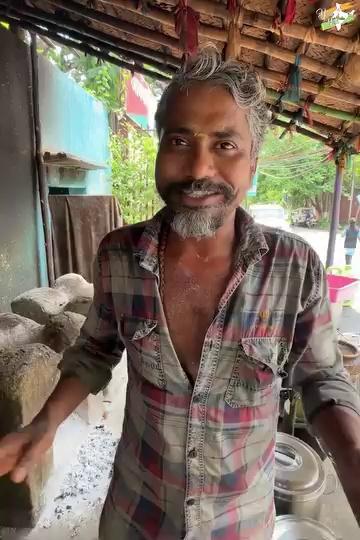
{"type": "Point", "coordinates": [319, 241]}
{"type": "Point", "coordinates": [350, 320]}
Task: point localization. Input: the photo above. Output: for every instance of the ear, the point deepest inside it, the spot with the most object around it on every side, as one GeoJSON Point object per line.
{"type": "Point", "coordinates": [253, 166]}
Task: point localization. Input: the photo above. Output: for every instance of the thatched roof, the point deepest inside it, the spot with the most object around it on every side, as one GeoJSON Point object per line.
{"type": "Point", "coordinates": [140, 35]}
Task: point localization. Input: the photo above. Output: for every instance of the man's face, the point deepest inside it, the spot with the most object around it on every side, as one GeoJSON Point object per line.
{"type": "Point", "coordinates": [204, 164]}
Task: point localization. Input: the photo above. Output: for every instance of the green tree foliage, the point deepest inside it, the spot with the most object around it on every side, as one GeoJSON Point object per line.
{"type": "Point", "coordinates": [104, 81]}
{"type": "Point", "coordinates": [294, 171]}
{"type": "Point", "coordinates": [133, 175]}
{"type": "Point", "coordinates": [132, 157]}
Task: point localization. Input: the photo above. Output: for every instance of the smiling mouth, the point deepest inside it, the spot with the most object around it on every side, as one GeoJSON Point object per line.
{"type": "Point", "coordinates": [201, 198]}
{"type": "Point", "coordinates": [200, 194]}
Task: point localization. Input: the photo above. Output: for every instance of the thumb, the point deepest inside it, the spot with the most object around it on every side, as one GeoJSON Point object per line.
{"type": "Point", "coordinates": [30, 458]}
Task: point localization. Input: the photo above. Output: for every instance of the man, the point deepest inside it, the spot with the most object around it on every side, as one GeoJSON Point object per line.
{"type": "Point", "coordinates": [351, 234]}
{"type": "Point", "coordinates": [212, 311]}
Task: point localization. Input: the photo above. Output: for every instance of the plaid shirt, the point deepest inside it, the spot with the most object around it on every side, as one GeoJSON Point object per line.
{"type": "Point", "coordinates": [198, 462]}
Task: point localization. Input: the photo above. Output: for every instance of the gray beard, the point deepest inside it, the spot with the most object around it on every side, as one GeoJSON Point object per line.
{"type": "Point", "coordinates": [197, 223]}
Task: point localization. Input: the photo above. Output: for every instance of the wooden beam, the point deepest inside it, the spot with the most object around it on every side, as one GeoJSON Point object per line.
{"type": "Point", "coordinates": [167, 18]}
{"type": "Point", "coordinates": [303, 131]}
{"type": "Point", "coordinates": [86, 49]}
{"type": "Point", "coordinates": [122, 50]}
{"type": "Point", "coordinates": [115, 22]}
{"type": "Point", "coordinates": [156, 14]}
{"type": "Point", "coordinates": [64, 24]}
{"type": "Point", "coordinates": [324, 129]}
{"type": "Point", "coordinates": [310, 87]}
{"type": "Point", "coordinates": [321, 109]}
{"type": "Point", "coordinates": [330, 72]}
{"type": "Point", "coordinates": [267, 75]}
{"type": "Point", "coordinates": [265, 22]}
{"type": "Point", "coordinates": [308, 34]}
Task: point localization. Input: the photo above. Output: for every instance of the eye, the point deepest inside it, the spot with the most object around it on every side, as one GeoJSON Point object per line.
{"type": "Point", "coordinates": [178, 141]}
{"type": "Point", "coordinates": [226, 145]}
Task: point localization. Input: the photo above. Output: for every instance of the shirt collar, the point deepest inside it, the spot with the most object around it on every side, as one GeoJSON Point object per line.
{"type": "Point", "coordinates": [251, 244]}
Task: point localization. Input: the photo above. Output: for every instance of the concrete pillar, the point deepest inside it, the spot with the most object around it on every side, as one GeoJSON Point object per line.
{"type": "Point", "coordinates": [28, 375]}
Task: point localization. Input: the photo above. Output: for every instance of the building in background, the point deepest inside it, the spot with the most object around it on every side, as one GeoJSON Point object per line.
{"type": "Point", "coordinates": [140, 102]}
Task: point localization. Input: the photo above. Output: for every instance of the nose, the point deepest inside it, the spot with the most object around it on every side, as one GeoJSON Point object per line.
{"type": "Point", "coordinates": [201, 163]}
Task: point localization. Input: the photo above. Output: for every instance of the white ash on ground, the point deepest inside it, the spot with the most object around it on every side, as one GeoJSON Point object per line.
{"type": "Point", "coordinates": [85, 485]}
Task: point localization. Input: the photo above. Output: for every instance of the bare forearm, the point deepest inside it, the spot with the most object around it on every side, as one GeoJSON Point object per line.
{"type": "Point", "coordinates": [339, 429]}
{"type": "Point", "coordinates": [66, 397]}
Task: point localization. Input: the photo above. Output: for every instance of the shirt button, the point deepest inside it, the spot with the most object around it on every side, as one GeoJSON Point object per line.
{"type": "Point", "coordinates": [192, 453]}
{"type": "Point", "coordinates": [190, 502]}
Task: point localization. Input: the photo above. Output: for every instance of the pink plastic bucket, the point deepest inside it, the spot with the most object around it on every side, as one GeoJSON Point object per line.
{"type": "Point", "coordinates": [341, 288]}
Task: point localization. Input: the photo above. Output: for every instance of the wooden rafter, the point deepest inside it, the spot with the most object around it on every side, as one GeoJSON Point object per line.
{"type": "Point", "coordinates": [264, 22]}
{"type": "Point", "coordinates": [119, 31]}
{"type": "Point", "coordinates": [216, 34]}
{"type": "Point", "coordinates": [87, 49]}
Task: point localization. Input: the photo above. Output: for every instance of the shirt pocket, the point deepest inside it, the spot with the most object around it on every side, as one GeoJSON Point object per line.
{"type": "Point", "coordinates": [255, 379]}
{"type": "Point", "coordinates": [142, 340]}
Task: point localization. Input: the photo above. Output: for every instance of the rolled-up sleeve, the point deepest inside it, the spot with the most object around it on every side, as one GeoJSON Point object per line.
{"type": "Point", "coordinates": [98, 349]}
{"type": "Point", "coordinates": [315, 363]}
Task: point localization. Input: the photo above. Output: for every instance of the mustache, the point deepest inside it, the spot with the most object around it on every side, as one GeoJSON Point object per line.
{"type": "Point", "coordinates": [200, 188]}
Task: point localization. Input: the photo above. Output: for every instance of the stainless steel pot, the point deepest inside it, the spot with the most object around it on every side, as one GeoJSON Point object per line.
{"type": "Point", "coordinates": [295, 528]}
{"type": "Point", "coordinates": [299, 478]}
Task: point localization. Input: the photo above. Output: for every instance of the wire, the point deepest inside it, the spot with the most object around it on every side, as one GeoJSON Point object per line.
{"type": "Point", "coordinates": [297, 158]}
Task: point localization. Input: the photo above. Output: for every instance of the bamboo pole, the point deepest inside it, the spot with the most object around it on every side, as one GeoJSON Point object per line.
{"type": "Point", "coordinates": [88, 50]}
{"type": "Point", "coordinates": [38, 16]}
{"type": "Point", "coordinates": [248, 42]}
{"type": "Point", "coordinates": [39, 165]}
{"type": "Point", "coordinates": [328, 71]}
{"type": "Point", "coordinates": [167, 18]}
{"type": "Point", "coordinates": [303, 131]}
{"type": "Point", "coordinates": [335, 214]}
{"type": "Point", "coordinates": [115, 22]}
{"type": "Point", "coordinates": [268, 75]}
{"type": "Point", "coordinates": [122, 51]}
{"type": "Point", "coordinates": [321, 109]}
{"type": "Point", "coordinates": [308, 34]}
{"type": "Point", "coordinates": [319, 126]}
{"type": "Point", "coordinates": [310, 87]}
{"type": "Point", "coordinates": [352, 189]}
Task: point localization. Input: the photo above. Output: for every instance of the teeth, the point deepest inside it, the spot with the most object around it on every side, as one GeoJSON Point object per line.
{"type": "Point", "coordinates": [199, 194]}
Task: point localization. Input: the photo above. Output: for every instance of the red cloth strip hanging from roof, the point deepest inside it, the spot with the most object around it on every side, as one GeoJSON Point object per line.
{"type": "Point", "coordinates": [187, 27]}
{"type": "Point", "coordinates": [290, 11]}
{"type": "Point", "coordinates": [285, 12]}
{"type": "Point", "coordinates": [232, 7]}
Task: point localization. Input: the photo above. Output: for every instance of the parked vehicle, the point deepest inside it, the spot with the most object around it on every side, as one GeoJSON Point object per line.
{"type": "Point", "coordinates": [272, 215]}
{"type": "Point", "coordinates": [304, 217]}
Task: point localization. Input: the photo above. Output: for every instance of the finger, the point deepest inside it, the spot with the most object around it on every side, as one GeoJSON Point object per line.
{"type": "Point", "coordinates": [12, 442]}
{"type": "Point", "coordinates": [31, 457]}
{"type": "Point", "coordinates": [7, 465]}
{"type": "Point", "coordinates": [11, 448]}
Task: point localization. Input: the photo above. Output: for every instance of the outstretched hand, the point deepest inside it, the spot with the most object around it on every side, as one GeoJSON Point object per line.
{"type": "Point", "coordinates": [22, 450]}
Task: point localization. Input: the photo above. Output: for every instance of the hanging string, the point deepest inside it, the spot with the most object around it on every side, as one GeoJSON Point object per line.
{"type": "Point", "coordinates": [187, 28]}
{"type": "Point", "coordinates": [306, 109]}
{"type": "Point", "coordinates": [143, 6]}
{"type": "Point", "coordinates": [284, 14]}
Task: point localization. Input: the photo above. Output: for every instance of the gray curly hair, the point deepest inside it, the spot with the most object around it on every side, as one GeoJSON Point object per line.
{"type": "Point", "coordinates": [243, 84]}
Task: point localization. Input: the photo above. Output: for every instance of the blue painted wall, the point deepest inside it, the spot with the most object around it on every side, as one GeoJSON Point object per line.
{"type": "Point", "coordinates": [72, 121]}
